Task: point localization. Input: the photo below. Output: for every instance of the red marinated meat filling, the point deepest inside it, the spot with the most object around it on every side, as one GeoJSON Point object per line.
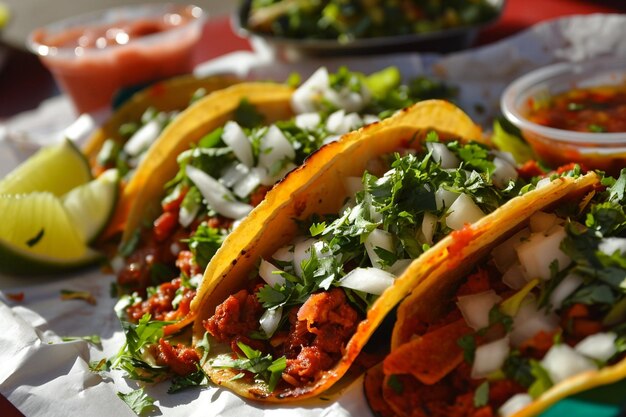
{"type": "Point", "coordinates": [315, 339]}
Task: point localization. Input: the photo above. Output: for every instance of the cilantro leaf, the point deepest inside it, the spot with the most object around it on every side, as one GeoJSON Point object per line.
{"type": "Point", "coordinates": [204, 242]}
{"type": "Point", "coordinates": [247, 115]}
{"type": "Point", "coordinates": [138, 401]}
{"type": "Point", "coordinates": [481, 395]}
{"type": "Point", "coordinates": [195, 379]}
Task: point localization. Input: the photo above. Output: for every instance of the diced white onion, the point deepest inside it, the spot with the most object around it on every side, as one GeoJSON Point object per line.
{"type": "Point", "coordinates": [270, 320]}
{"type": "Point", "coordinates": [504, 255]}
{"type": "Point", "coordinates": [143, 138]}
{"type": "Point", "coordinates": [507, 156]}
{"type": "Point", "coordinates": [353, 185]}
{"type": "Point", "coordinates": [463, 211]}
{"type": "Point", "coordinates": [399, 266]}
{"type": "Point", "coordinates": [609, 245]}
{"type": "Point", "coordinates": [216, 195]}
{"type": "Point", "coordinates": [301, 252]}
{"type": "Point", "coordinates": [266, 271]}
{"type": "Point", "coordinates": [308, 121]}
{"type": "Point", "coordinates": [529, 321]}
{"type": "Point", "coordinates": [429, 224]}
{"type": "Point", "coordinates": [186, 216]}
{"type": "Point", "coordinates": [442, 155]}
{"type": "Point", "coordinates": [331, 139]}
{"type": "Point", "coordinates": [514, 404]}
{"type": "Point", "coordinates": [542, 222]}
{"type": "Point", "coordinates": [503, 172]}
{"type": "Point", "coordinates": [309, 94]}
{"type": "Point", "coordinates": [565, 288]}
{"type": "Point", "coordinates": [514, 277]}
{"type": "Point", "coordinates": [233, 173]}
{"type": "Point", "coordinates": [284, 254]}
{"type": "Point", "coordinates": [235, 137]}
{"type": "Point", "coordinates": [562, 362]}
{"type": "Point", "coordinates": [543, 182]}
{"type": "Point", "coordinates": [346, 99]}
{"type": "Point", "coordinates": [274, 149]}
{"type": "Point", "coordinates": [378, 238]}
{"type": "Point", "coordinates": [599, 346]}
{"type": "Point", "coordinates": [335, 121]}
{"type": "Point", "coordinates": [538, 252]}
{"type": "Point", "coordinates": [370, 118]}
{"type": "Point", "coordinates": [444, 198]}
{"type": "Point", "coordinates": [246, 185]}
{"type": "Point", "coordinates": [475, 308]}
{"type": "Point", "coordinates": [370, 280]}
{"type": "Point", "coordinates": [117, 264]}
{"type": "Point", "coordinates": [490, 357]}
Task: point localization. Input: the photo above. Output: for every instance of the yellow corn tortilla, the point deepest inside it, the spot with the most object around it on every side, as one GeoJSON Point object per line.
{"type": "Point", "coordinates": [139, 199]}
{"type": "Point", "coordinates": [316, 188]}
{"type": "Point", "coordinates": [423, 303]}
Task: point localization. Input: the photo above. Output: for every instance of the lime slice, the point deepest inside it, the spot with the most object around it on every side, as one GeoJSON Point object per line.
{"type": "Point", "coordinates": [91, 205]}
{"type": "Point", "coordinates": [56, 168]}
{"type": "Point", "coordinates": [38, 236]}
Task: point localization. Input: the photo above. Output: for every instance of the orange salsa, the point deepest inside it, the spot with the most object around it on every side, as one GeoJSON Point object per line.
{"type": "Point", "coordinates": [596, 109]}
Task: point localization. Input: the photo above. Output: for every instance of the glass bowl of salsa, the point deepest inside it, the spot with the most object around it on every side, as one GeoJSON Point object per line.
{"type": "Point", "coordinates": [573, 112]}
{"type": "Point", "coordinates": [92, 56]}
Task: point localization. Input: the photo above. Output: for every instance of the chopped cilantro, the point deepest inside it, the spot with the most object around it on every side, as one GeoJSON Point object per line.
{"type": "Point", "coordinates": [468, 344]}
{"type": "Point", "coordinates": [204, 242]}
{"type": "Point", "coordinates": [195, 379]}
{"type": "Point", "coordinates": [138, 401]}
{"type": "Point", "coordinates": [247, 115]}
{"type": "Point", "coordinates": [94, 339]}
{"type": "Point", "coordinates": [481, 395]}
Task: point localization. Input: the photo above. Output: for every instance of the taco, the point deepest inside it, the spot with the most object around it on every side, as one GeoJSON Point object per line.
{"type": "Point", "coordinates": [534, 313]}
{"type": "Point", "coordinates": [297, 289]}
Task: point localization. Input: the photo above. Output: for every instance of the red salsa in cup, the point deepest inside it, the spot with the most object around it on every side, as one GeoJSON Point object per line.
{"type": "Point", "coordinates": [592, 110]}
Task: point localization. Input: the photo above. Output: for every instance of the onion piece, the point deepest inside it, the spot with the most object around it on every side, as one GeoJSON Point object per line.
{"type": "Point", "coordinates": [331, 139]}
{"type": "Point", "coordinates": [503, 173]}
{"type": "Point", "coordinates": [236, 139]}
{"type": "Point", "coordinates": [442, 155]}
{"type": "Point", "coordinates": [308, 121]}
{"type": "Point", "coordinates": [399, 266]}
{"type": "Point", "coordinates": [187, 215]}
{"type": "Point", "coordinates": [306, 98]}
{"type": "Point", "coordinates": [463, 211]}
{"type": "Point", "coordinates": [347, 99]}
{"type": "Point", "coordinates": [234, 173]}
{"type": "Point", "coordinates": [301, 252]}
{"type": "Point", "coordinates": [266, 272]}
{"type": "Point", "coordinates": [444, 198]}
{"type": "Point", "coordinates": [370, 280]}
{"type": "Point", "coordinates": [378, 238]}
{"type": "Point", "coordinates": [490, 357]}
{"type": "Point", "coordinates": [368, 119]}
{"type": "Point", "coordinates": [274, 149]}
{"type": "Point", "coordinates": [565, 288]}
{"type": "Point", "coordinates": [538, 252]}
{"type": "Point", "coordinates": [610, 245]}
{"type": "Point", "coordinates": [562, 362]}
{"type": "Point", "coordinates": [143, 138]}
{"type": "Point", "coordinates": [543, 182]}
{"type": "Point", "coordinates": [216, 195]}
{"type": "Point", "coordinates": [599, 346]}
{"type": "Point", "coordinates": [353, 185]}
{"type": "Point", "coordinates": [475, 308]}
{"type": "Point", "coordinates": [504, 255]}
{"type": "Point", "coordinates": [429, 225]}
{"type": "Point", "coordinates": [514, 277]}
{"type": "Point", "coordinates": [529, 321]}
{"type": "Point", "coordinates": [514, 404]}
{"type": "Point", "coordinates": [284, 254]}
{"type": "Point", "coordinates": [246, 185]}
{"type": "Point", "coordinates": [270, 320]}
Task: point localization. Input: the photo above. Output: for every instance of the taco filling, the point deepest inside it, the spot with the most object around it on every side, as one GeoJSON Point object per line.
{"type": "Point", "coordinates": [229, 171]}
{"type": "Point", "coordinates": [296, 316]}
{"type": "Point", "coordinates": [546, 305]}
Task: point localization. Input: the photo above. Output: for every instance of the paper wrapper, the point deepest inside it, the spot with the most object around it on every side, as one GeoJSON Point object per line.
{"type": "Point", "coordinates": [44, 376]}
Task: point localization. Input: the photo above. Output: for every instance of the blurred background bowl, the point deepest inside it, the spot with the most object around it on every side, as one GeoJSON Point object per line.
{"type": "Point", "coordinates": [442, 40]}
{"type": "Point", "coordinates": [555, 146]}
{"type": "Point", "coordinates": [92, 56]}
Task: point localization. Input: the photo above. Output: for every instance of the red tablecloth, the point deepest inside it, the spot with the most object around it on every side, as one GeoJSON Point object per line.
{"type": "Point", "coordinates": [24, 82]}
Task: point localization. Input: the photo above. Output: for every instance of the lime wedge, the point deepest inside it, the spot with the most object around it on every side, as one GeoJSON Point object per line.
{"type": "Point", "coordinates": [37, 235]}
{"type": "Point", "coordinates": [56, 168]}
{"type": "Point", "coordinates": [91, 205]}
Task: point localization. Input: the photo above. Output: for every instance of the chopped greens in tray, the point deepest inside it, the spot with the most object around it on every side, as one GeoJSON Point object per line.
{"type": "Point", "coordinates": [355, 19]}
{"type": "Point", "coordinates": [220, 180]}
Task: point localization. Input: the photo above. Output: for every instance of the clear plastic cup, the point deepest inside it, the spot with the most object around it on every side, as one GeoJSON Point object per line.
{"type": "Point", "coordinates": [92, 56]}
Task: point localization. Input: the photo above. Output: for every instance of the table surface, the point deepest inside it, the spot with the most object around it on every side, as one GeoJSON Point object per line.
{"type": "Point", "coordinates": [25, 83]}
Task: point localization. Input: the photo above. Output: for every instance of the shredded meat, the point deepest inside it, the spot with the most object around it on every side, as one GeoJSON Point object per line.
{"type": "Point", "coordinates": [236, 316]}
{"type": "Point", "coordinates": [159, 305]}
{"type": "Point", "coordinates": [180, 359]}
{"type": "Point", "coordinates": [186, 264]}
